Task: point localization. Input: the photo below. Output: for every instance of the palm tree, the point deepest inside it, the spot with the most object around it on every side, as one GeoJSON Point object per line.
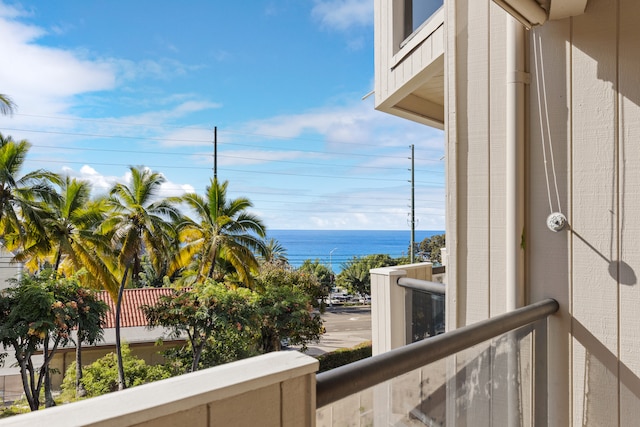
{"type": "Point", "coordinates": [223, 230]}
{"type": "Point", "coordinates": [138, 223]}
{"type": "Point", "coordinates": [71, 244]}
{"type": "Point", "coordinates": [71, 241]}
{"type": "Point", "coordinates": [7, 105]}
{"type": "Point", "coordinates": [20, 197]}
{"type": "Point", "coordinates": [275, 253]}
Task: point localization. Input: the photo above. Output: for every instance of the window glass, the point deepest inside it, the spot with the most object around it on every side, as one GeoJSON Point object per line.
{"type": "Point", "coordinates": [421, 10]}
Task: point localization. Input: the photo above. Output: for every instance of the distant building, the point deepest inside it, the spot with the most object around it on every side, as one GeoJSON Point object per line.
{"type": "Point", "coordinates": [133, 330]}
{"type": "Point", "coordinates": [141, 340]}
{"type": "Point", "coordinates": [8, 269]}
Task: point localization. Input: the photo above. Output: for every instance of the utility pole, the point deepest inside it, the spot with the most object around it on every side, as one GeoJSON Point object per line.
{"type": "Point", "coordinates": [215, 152]}
{"type": "Point", "coordinates": [413, 207]}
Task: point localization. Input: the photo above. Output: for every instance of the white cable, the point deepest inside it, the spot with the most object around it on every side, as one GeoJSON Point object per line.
{"type": "Point", "coordinates": [546, 111]}
{"type": "Point", "coordinates": [544, 150]}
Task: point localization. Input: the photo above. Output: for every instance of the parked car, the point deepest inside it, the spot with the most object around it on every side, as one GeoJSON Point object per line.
{"type": "Point", "coordinates": [366, 299]}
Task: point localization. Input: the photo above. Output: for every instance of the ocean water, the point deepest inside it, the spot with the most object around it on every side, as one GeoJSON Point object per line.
{"type": "Point", "coordinates": [335, 247]}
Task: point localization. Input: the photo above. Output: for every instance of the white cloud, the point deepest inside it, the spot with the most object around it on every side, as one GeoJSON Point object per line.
{"type": "Point", "coordinates": [256, 157]}
{"type": "Point", "coordinates": [343, 14]}
{"type": "Point", "coordinates": [356, 123]}
{"type": "Point", "coordinates": [7, 11]}
{"type": "Point", "coordinates": [170, 189]}
{"type": "Point", "coordinates": [101, 184]}
{"type": "Point", "coordinates": [43, 79]}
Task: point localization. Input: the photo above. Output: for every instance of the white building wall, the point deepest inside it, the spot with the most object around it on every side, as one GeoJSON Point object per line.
{"type": "Point", "coordinates": [8, 270]}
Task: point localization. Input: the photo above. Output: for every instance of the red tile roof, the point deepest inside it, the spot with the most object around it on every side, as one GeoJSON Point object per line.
{"type": "Point", "coordinates": [132, 299]}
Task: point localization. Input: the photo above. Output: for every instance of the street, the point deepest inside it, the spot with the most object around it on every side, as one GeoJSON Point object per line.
{"type": "Point", "coordinates": [346, 326]}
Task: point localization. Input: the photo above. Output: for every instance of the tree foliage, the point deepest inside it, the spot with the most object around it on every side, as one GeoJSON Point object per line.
{"type": "Point", "coordinates": [138, 222]}
{"type": "Point", "coordinates": [223, 231]}
{"type": "Point", "coordinates": [431, 247]}
{"type": "Point", "coordinates": [355, 274]}
{"type": "Point", "coordinates": [101, 376]}
{"type": "Point", "coordinates": [205, 314]}
{"type": "Point", "coordinates": [7, 106]}
{"type": "Point", "coordinates": [21, 196]}
{"type": "Point", "coordinates": [319, 291]}
{"type": "Point", "coordinates": [39, 314]}
{"type": "Point", "coordinates": [275, 253]}
{"type": "Point", "coordinates": [285, 306]}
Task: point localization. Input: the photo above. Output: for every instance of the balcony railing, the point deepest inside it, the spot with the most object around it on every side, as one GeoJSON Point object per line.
{"type": "Point", "coordinates": [490, 377]}
{"type": "Point", "coordinates": [417, 384]}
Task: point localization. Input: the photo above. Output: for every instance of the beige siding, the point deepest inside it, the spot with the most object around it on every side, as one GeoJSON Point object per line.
{"type": "Point", "coordinates": [582, 157]}
{"type": "Point", "coordinates": [629, 206]}
{"type": "Point", "coordinates": [548, 261]}
{"type": "Point", "coordinates": [594, 217]}
{"type": "Point", "coordinates": [584, 114]}
{"type": "Point", "coordinates": [496, 69]}
{"type": "Point", "coordinates": [409, 78]}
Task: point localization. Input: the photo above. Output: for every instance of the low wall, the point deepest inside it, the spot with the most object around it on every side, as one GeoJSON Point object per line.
{"type": "Point", "coordinates": [275, 389]}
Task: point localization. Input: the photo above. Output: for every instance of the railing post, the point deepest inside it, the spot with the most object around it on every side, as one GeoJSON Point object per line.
{"type": "Point", "coordinates": [387, 310]}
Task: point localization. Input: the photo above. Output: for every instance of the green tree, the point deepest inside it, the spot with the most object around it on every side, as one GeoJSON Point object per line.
{"type": "Point", "coordinates": [139, 222]}
{"type": "Point", "coordinates": [223, 230]}
{"type": "Point", "coordinates": [319, 290]}
{"type": "Point", "coordinates": [275, 253]}
{"type": "Point", "coordinates": [204, 314]}
{"type": "Point", "coordinates": [89, 327]}
{"type": "Point", "coordinates": [20, 209]}
{"type": "Point", "coordinates": [285, 308]}
{"type": "Point", "coordinates": [7, 106]}
{"type": "Point", "coordinates": [39, 313]}
{"type": "Point", "coordinates": [431, 247]}
{"type": "Point", "coordinates": [71, 241]}
{"type": "Point", "coordinates": [355, 274]}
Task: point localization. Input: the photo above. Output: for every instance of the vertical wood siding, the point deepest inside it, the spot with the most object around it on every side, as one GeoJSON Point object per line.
{"type": "Point", "coordinates": [589, 118]}
{"type": "Point", "coordinates": [548, 253]}
{"type": "Point", "coordinates": [393, 74]}
{"type": "Point", "coordinates": [594, 216]}
{"type": "Point", "coordinates": [629, 208]}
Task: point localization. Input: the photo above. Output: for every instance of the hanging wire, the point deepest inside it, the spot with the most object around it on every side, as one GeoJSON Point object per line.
{"type": "Point", "coordinates": [545, 129]}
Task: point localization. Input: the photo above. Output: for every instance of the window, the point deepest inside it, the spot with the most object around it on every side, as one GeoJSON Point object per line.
{"type": "Point", "coordinates": [417, 12]}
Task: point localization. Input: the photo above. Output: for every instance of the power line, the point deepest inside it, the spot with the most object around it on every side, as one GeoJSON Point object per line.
{"type": "Point", "coordinates": [229, 131]}
{"type": "Point", "coordinates": [175, 153]}
{"type": "Point", "coordinates": [202, 141]}
{"type": "Point", "coordinates": [343, 177]}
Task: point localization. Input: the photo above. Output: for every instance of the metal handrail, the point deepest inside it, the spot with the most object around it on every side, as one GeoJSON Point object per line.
{"type": "Point", "coordinates": [422, 285]}
{"type": "Point", "coordinates": [344, 381]}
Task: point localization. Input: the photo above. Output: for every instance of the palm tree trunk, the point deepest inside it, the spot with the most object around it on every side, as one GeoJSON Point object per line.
{"type": "Point", "coordinates": [57, 261]}
{"type": "Point", "coordinates": [121, 380]}
{"type": "Point", "coordinates": [213, 263]}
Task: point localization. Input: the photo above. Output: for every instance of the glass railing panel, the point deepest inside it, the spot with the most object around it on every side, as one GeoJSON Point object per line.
{"type": "Point", "coordinates": [489, 384]}
{"type": "Point", "coordinates": [426, 315]}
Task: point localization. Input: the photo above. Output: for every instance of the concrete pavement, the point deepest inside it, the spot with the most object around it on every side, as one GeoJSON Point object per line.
{"type": "Point", "coordinates": [346, 326]}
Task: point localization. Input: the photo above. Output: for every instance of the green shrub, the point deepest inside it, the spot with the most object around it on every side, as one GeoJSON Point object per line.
{"type": "Point", "coordinates": [344, 356]}
{"type": "Point", "coordinates": [101, 376]}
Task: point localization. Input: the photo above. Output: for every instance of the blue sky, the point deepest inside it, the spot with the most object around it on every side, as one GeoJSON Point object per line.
{"type": "Point", "coordinates": [101, 85]}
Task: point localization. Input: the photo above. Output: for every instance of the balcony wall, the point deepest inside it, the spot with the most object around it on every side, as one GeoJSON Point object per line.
{"type": "Point", "coordinates": [275, 389]}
